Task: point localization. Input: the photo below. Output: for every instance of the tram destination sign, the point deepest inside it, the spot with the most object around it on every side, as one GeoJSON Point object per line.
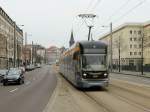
{"type": "Point", "coordinates": [97, 51]}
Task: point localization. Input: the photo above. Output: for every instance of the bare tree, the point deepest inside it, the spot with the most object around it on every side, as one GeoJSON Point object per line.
{"type": "Point", "coordinates": [118, 44]}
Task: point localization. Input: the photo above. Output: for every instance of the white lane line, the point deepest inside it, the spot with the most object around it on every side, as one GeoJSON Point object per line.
{"type": "Point", "coordinates": [13, 90]}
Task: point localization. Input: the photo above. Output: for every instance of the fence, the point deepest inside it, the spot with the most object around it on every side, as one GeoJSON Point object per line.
{"type": "Point", "coordinates": [134, 65]}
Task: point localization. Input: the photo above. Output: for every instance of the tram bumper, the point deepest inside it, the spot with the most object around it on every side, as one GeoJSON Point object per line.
{"type": "Point", "coordinates": [93, 83]}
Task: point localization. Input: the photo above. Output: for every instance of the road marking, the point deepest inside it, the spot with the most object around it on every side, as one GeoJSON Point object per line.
{"type": "Point", "coordinates": [13, 90]}
{"type": "Point", "coordinates": [27, 83]}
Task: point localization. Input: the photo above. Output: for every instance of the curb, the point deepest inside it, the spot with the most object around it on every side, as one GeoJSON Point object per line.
{"type": "Point", "coordinates": [50, 104]}
{"type": "Point", "coordinates": [131, 74]}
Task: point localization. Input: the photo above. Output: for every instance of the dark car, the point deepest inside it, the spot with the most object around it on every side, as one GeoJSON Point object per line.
{"type": "Point", "coordinates": [14, 76]}
{"type": "Point", "coordinates": [3, 72]}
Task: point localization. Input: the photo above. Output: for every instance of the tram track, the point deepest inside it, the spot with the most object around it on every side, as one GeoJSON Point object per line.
{"type": "Point", "coordinates": [103, 104]}
{"type": "Point", "coordinates": [133, 98]}
{"type": "Point", "coordinates": [141, 101]}
{"type": "Point", "coordinates": [131, 102]}
{"type": "Point", "coordinates": [116, 98]}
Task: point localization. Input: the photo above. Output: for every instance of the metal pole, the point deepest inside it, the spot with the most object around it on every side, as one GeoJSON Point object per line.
{"type": "Point", "coordinates": [25, 49]}
{"type": "Point", "coordinates": [18, 54]}
{"type": "Point", "coordinates": [32, 53]}
{"type": "Point", "coordinates": [14, 44]}
{"type": "Point", "coordinates": [7, 54]}
{"type": "Point", "coordinates": [111, 59]}
{"type": "Point", "coordinates": [142, 51]}
{"type": "Point", "coordinates": [36, 45]}
{"type": "Point", "coordinates": [90, 27]}
{"type": "Point", "coordinates": [119, 53]}
{"type": "Point", "coordinates": [45, 57]}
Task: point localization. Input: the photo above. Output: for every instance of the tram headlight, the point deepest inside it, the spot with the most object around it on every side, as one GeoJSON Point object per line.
{"type": "Point", "coordinates": [84, 74]}
{"type": "Point", "coordinates": [105, 74]}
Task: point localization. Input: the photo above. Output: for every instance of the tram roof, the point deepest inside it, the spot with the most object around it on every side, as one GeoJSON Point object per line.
{"type": "Point", "coordinates": [89, 44]}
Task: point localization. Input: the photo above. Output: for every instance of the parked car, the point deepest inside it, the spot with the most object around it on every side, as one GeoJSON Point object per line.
{"type": "Point", "coordinates": [30, 67]}
{"type": "Point", "coordinates": [3, 72]}
{"type": "Point", "coordinates": [38, 65]}
{"type": "Point", "coordinates": [22, 69]}
{"type": "Point", "coordinates": [13, 76]}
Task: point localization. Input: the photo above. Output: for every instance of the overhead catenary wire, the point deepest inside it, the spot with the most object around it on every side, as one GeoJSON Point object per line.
{"type": "Point", "coordinates": [96, 4]}
{"type": "Point", "coordinates": [129, 11]}
{"type": "Point", "coordinates": [91, 7]}
{"type": "Point", "coordinates": [92, 4]}
{"type": "Point", "coordinates": [91, 1]}
{"type": "Point", "coordinates": [119, 9]}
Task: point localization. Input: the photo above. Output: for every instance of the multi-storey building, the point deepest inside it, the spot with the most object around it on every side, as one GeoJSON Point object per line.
{"type": "Point", "coordinates": [33, 54]}
{"type": "Point", "coordinates": [53, 54]}
{"type": "Point", "coordinates": [40, 54]}
{"type": "Point", "coordinates": [127, 46]}
{"type": "Point", "coordinates": [146, 43]}
{"type": "Point", "coordinates": [27, 54]}
{"type": "Point", "coordinates": [11, 40]}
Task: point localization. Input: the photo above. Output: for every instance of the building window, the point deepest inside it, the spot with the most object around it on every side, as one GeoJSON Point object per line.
{"type": "Point", "coordinates": [130, 39]}
{"type": "Point", "coordinates": [131, 62]}
{"type": "Point", "coordinates": [140, 53]}
{"type": "Point", "coordinates": [130, 53]}
{"type": "Point", "coordinates": [134, 32]}
{"type": "Point", "coordinates": [135, 46]}
{"type": "Point", "coordinates": [139, 32]}
{"type": "Point", "coordinates": [140, 39]}
{"type": "Point", "coordinates": [130, 31]}
{"type": "Point", "coordinates": [135, 53]}
{"type": "Point", "coordinates": [130, 46]}
{"type": "Point", "coordinates": [135, 39]}
{"type": "Point", "coordinates": [140, 46]}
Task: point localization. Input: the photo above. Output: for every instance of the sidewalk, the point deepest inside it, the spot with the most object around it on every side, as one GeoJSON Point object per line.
{"type": "Point", "coordinates": [145, 74]}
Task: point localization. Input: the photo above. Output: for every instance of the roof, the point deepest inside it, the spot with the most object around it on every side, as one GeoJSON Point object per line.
{"type": "Point", "coordinates": [90, 44]}
{"type": "Point", "coordinates": [122, 27]}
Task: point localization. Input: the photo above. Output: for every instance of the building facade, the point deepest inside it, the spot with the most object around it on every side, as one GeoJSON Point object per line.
{"type": "Point", "coordinates": [146, 43]}
{"type": "Point", "coordinates": [27, 54]}
{"type": "Point", "coordinates": [52, 54]}
{"type": "Point", "coordinates": [33, 54]}
{"type": "Point", "coordinates": [128, 43]}
{"type": "Point", "coordinates": [11, 41]}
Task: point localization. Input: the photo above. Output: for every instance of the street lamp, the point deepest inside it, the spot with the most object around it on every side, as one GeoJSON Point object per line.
{"type": "Point", "coordinates": [15, 49]}
{"type": "Point", "coordinates": [26, 42]}
{"type": "Point", "coordinates": [19, 47]}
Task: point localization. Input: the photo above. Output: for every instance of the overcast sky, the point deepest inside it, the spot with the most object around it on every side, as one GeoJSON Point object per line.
{"type": "Point", "coordinates": [50, 21]}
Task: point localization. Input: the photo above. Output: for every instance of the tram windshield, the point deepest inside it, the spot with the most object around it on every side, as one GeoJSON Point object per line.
{"type": "Point", "coordinates": [94, 62]}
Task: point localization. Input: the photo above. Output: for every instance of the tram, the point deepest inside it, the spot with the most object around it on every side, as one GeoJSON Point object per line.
{"type": "Point", "coordinates": [85, 64]}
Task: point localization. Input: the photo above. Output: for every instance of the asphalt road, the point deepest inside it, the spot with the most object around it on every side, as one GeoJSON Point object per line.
{"type": "Point", "coordinates": [122, 95]}
{"type": "Point", "coordinates": [33, 95]}
{"type": "Point", "coordinates": [131, 78]}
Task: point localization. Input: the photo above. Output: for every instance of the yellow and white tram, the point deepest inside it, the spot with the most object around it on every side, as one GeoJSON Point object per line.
{"type": "Point", "coordinates": [85, 64]}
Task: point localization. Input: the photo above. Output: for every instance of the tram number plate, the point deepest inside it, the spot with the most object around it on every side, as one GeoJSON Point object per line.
{"type": "Point", "coordinates": [95, 76]}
